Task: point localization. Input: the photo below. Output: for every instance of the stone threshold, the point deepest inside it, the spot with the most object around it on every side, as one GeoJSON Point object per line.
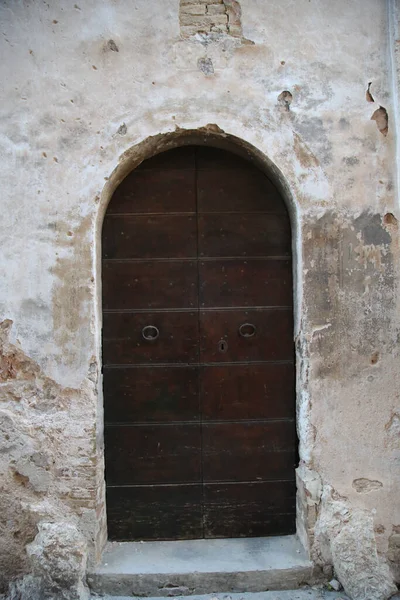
{"type": "Point", "coordinates": [183, 568]}
{"type": "Point", "coordinates": [304, 594]}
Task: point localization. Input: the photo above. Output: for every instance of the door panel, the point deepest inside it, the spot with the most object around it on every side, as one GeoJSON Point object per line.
{"type": "Point", "coordinates": [208, 157]}
{"type": "Point", "coordinates": [153, 454]}
{"type": "Point", "coordinates": [180, 159]}
{"type": "Point", "coordinates": [240, 190]}
{"type": "Point", "coordinates": [241, 234]}
{"type": "Point", "coordinates": [272, 338]}
{"type": "Point", "coordinates": [249, 391]}
{"type": "Point", "coordinates": [262, 282]}
{"type": "Point", "coordinates": [249, 509]}
{"type": "Point", "coordinates": [144, 236]}
{"type": "Point", "coordinates": [123, 341]}
{"type": "Point", "coordinates": [149, 284]}
{"type": "Point", "coordinates": [166, 512]}
{"type": "Point", "coordinates": [244, 451]}
{"type": "Point", "coordinates": [147, 394]}
{"type": "Point", "coordinates": [149, 191]}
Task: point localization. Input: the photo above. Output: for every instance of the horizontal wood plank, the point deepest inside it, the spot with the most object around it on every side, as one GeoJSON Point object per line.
{"type": "Point", "coordinates": [181, 158]}
{"type": "Point", "coordinates": [244, 235]}
{"type": "Point", "coordinates": [272, 340]}
{"type": "Point", "coordinates": [247, 391]}
{"type": "Point", "coordinates": [249, 509]}
{"type": "Point", "coordinates": [155, 236]}
{"type": "Point", "coordinates": [155, 512]}
{"type": "Point", "coordinates": [208, 157]}
{"type": "Point", "coordinates": [123, 341]}
{"type": "Point", "coordinates": [229, 283]}
{"type": "Point", "coordinates": [243, 190]}
{"type": "Point", "coordinates": [153, 454]}
{"type": "Point", "coordinates": [162, 191]}
{"type": "Point", "coordinates": [149, 284]}
{"type": "Point", "coordinates": [151, 394]}
{"type": "Point", "coordinates": [248, 451]}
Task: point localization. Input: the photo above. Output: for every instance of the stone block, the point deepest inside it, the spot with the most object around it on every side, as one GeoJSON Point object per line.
{"type": "Point", "coordinates": [235, 30]}
{"type": "Point", "coordinates": [25, 588]}
{"type": "Point", "coordinates": [346, 540]}
{"type": "Point", "coordinates": [216, 9]}
{"type": "Point", "coordinates": [219, 29]}
{"type": "Point", "coordinates": [194, 9]}
{"type": "Point", "coordinates": [188, 30]}
{"type": "Point", "coordinates": [203, 23]}
{"type": "Point", "coordinates": [58, 557]}
{"type": "Point", "coordinates": [358, 567]}
{"type": "Point", "coordinates": [234, 12]}
{"type": "Point", "coordinates": [185, 3]}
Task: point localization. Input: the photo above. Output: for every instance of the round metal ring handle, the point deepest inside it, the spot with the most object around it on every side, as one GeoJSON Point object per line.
{"type": "Point", "coordinates": [150, 333]}
{"type": "Point", "coordinates": [247, 330]}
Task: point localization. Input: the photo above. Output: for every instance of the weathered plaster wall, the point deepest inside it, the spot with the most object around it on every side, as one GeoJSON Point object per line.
{"type": "Point", "coordinates": [82, 84]}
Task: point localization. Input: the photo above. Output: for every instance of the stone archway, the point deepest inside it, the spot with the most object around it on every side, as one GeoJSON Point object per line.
{"type": "Point", "coordinates": [211, 135]}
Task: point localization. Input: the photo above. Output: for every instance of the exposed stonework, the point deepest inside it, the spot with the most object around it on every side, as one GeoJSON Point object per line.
{"type": "Point", "coordinates": [309, 491]}
{"type": "Point", "coordinates": [210, 17]}
{"type": "Point", "coordinates": [393, 554]}
{"type": "Point", "coordinates": [58, 560]}
{"type": "Point", "coordinates": [344, 537]}
{"type": "Point", "coordinates": [46, 458]}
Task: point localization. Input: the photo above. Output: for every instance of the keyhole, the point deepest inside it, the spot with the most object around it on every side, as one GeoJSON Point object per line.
{"type": "Point", "coordinates": [222, 346]}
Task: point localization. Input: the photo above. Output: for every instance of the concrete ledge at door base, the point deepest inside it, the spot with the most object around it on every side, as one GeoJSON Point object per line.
{"type": "Point", "coordinates": [186, 568]}
{"type": "Point", "coordinates": [303, 594]}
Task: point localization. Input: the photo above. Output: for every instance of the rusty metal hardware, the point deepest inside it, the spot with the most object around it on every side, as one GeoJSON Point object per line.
{"type": "Point", "coordinates": [150, 333]}
{"type": "Point", "coordinates": [247, 330]}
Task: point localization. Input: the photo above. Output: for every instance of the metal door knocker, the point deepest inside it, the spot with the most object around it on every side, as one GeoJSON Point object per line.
{"type": "Point", "coordinates": [247, 330]}
{"type": "Point", "coordinates": [150, 333]}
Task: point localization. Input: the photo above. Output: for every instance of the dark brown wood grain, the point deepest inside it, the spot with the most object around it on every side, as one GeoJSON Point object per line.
{"type": "Point", "coordinates": [244, 235]}
{"type": "Point", "coordinates": [249, 509]}
{"type": "Point", "coordinates": [242, 190]}
{"type": "Point", "coordinates": [229, 283]}
{"type": "Point", "coordinates": [149, 191]}
{"type": "Point", "coordinates": [249, 391]}
{"type": "Point", "coordinates": [248, 451]}
{"type": "Point", "coordinates": [208, 157]}
{"type": "Point", "coordinates": [146, 394]}
{"type": "Point", "coordinates": [150, 236]}
{"type": "Point", "coordinates": [200, 437]}
{"type": "Point", "coordinates": [149, 284]}
{"type": "Point", "coordinates": [166, 512]}
{"type": "Point", "coordinates": [123, 341]}
{"type": "Point", "coordinates": [273, 338]}
{"type": "Point", "coordinates": [181, 158]}
{"type": "Point", "coordinates": [168, 453]}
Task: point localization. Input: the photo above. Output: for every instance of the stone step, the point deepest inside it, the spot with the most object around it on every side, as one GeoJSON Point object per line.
{"type": "Point", "coordinates": [304, 594]}
{"type": "Point", "coordinates": [184, 568]}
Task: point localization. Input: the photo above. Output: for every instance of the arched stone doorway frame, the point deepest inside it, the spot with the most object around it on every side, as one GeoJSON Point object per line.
{"type": "Point", "coordinates": [212, 135]}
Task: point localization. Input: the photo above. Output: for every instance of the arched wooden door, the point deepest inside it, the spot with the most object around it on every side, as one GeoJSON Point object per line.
{"type": "Point", "coordinates": [198, 357]}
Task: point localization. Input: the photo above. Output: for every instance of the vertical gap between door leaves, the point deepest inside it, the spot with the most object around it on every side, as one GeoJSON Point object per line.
{"type": "Point", "coordinates": [199, 390]}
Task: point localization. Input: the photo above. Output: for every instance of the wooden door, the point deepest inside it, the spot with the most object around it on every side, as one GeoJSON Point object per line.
{"type": "Point", "coordinates": [198, 358]}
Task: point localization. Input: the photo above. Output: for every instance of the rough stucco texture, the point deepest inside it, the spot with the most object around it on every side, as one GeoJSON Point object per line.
{"type": "Point", "coordinates": [84, 82]}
